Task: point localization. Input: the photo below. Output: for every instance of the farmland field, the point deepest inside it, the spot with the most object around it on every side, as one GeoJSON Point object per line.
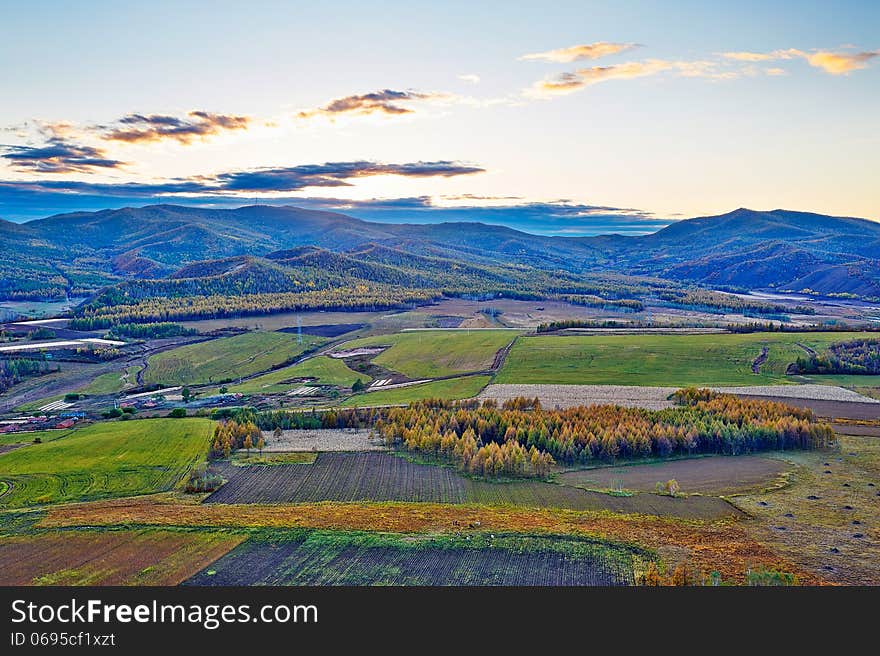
{"type": "Point", "coordinates": [144, 557]}
{"type": "Point", "coordinates": [367, 476]}
{"type": "Point", "coordinates": [327, 371]}
{"type": "Point", "coordinates": [226, 358]}
{"type": "Point", "coordinates": [103, 460]}
{"type": "Point", "coordinates": [432, 353]}
{"type": "Point", "coordinates": [826, 518]}
{"type": "Point", "coordinates": [451, 388]}
{"type": "Point", "coordinates": [28, 437]}
{"type": "Point", "coordinates": [337, 558]}
{"type": "Point", "coordinates": [109, 383]}
{"type": "Point", "coordinates": [712, 475]}
{"type": "Point", "coordinates": [661, 360]}
{"type": "Point", "coordinates": [722, 546]}
{"type": "Point", "coordinates": [341, 477]}
{"type": "Point", "coordinates": [323, 439]}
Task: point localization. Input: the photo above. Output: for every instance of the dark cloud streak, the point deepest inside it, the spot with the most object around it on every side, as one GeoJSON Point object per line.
{"type": "Point", "coordinates": [386, 101]}
{"type": "Point", "coordinates": [140, 128]}
{"type": "Point", "coordinates": [58, 155]}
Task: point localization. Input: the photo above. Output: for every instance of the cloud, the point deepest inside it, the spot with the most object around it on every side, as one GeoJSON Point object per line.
{"type": "Point", "coordinates": [835, 63]}
{"type": "Point", "coordinates": [569, 82]}
{"type": "Point", "coordinates": [385, 101]}
{"type": "Point", "coordinates": [140, 128]}
{"type": "Point", "coordinates": [838, 63]}
{"type": "Point", "coordinates": [59, 155]}
{"type": "Point", "coordinates": [226, 185]}
{"type": "Point", "coordinates": [560, 218]}
{"type": "Point", "coordinates": [580, 52]}
{"type": "Point", "coordinates": [754, 57]}
{"type": "Point", "coordinates": [334, 174]}
{"type": "Point", "coordinates": [470, 77]}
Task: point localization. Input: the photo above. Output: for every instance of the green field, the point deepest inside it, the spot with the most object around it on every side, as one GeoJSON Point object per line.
{"type": "Point", "coordinates": [452, 388]}
{"type": "Point", "coordinates": [33, 406]}
{"type": "Point", "coordinates": [843, 380]}
{"type": "Point", "coordinates": [226, 358]}
{"type": "Point", "coordinates": [105, 460]}
{"type": "Point", "coordinates": [658, 360]}
{"type": "Point", "coordinates": [327, 371]}
{"type": "Point", "coordinates": [25, 438]}
{"type": "Point", "coordinates": [433, 353]}
{"type": "Point", "coordinates": [109, 383]}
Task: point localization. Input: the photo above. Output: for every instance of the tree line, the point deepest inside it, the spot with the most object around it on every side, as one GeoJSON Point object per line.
{"type": "Point", "coordinates": [160, 310]}
{"type": "Point", "coordinates": [858, 356]}
{"type": "Point", "coordinates": [700, 299]}
{"type": "Point", "coordinates": [521, 438]}
{"type": "Point", "coordinates": [15, 370]}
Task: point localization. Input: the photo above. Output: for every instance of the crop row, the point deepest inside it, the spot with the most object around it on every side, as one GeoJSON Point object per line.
{"type": "Point", "coordinates": [353, 560]}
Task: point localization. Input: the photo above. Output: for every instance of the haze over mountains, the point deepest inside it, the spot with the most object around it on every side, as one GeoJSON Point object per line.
{"type": "Point", "coordinates": [82, 252]}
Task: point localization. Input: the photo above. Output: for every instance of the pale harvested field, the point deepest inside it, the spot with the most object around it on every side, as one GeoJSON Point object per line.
{"type": "Point", "coordinates": [806, 392]}
{"type": "Point", "coordinates": [656, 398]}
{"type": "Point", "coordinates": [325, 439]}
{"type": "Point", "coordinates": [568, 396]}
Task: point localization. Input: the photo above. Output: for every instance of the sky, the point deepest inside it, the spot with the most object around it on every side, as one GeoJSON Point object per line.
{"type": "Point", "coordinates": [558, 118]}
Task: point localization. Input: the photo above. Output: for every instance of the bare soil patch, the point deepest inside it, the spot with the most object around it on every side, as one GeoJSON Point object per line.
{"type": "Point", "coordinates": [346, 477]}
{"type": "Point", "coordinates": [325, 439]}
{"type": "Point", "coordinates": [828, 409]}
{"type": "Point", "coordinates": [857, 429]}
{"type": "Point", "coordinates": [716, 475]}
{"type": "Point", "coordinates": [324, 330]}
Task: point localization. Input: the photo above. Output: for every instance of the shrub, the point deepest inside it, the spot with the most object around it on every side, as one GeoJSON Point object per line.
{"type": "Point", "coordinates": [177, 413]}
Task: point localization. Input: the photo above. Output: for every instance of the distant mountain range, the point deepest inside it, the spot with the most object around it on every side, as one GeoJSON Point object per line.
{"type": "Point", "coordinates": [161, 248]}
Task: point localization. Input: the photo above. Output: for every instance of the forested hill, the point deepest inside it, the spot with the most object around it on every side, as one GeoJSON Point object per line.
{"type": "Point", "coordinates": [164, 249]}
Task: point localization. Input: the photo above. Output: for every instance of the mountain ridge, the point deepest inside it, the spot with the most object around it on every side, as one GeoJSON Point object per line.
{"type": "Point", "coordinates": [82, 252]}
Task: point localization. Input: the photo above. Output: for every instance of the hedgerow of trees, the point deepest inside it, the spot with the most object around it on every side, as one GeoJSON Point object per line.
{"type": "Point", "coordinates": [697, 299]}
{"type": "Point", "coordinates": [136, 330]}
{"type": "Point", "coordinates": [522, 438]}
{"type": "Point", "coordinates": [858, 356]}
{"type": "Point", "coordinates": [233, 434]}
{"type": "Point", "coordinates": [15, 370]}
{"type": "Point", "coordinates": [157, 310]}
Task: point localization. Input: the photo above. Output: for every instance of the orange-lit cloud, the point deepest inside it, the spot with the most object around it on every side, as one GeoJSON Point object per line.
{"type": "Point", "coordinates": [835, 63]}
{"type": "Point", "coordinates": [140, 128]}
{"type": "Point", "coordinates": [569, 82]}
{"type": "Point", "coordinates": [581, 52]}
{"type": "Point", "coordinates": [838, 63]}
{"type": "Point", "coordinates": [791, 53]}
{"type": "Point", "coordinates": [385, 101]}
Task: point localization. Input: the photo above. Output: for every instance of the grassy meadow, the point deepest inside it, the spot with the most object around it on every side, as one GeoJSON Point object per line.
{"type": "Point", "coordinates": [451, 388]}
{"type": "Point", "coordinates": [430, 354]}
{"type": "Point", "coordinates": [327, 371]}
{"type": "Point", "coordinates": [658, 360]}
{"type": "Point", "coordinates": [104, 460]}
{"type": "Point", "coordinates": [226, 358]}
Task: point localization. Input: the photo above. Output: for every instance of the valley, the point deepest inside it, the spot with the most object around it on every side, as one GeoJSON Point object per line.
{"type": "Point", "coordinates": [423, 412]}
